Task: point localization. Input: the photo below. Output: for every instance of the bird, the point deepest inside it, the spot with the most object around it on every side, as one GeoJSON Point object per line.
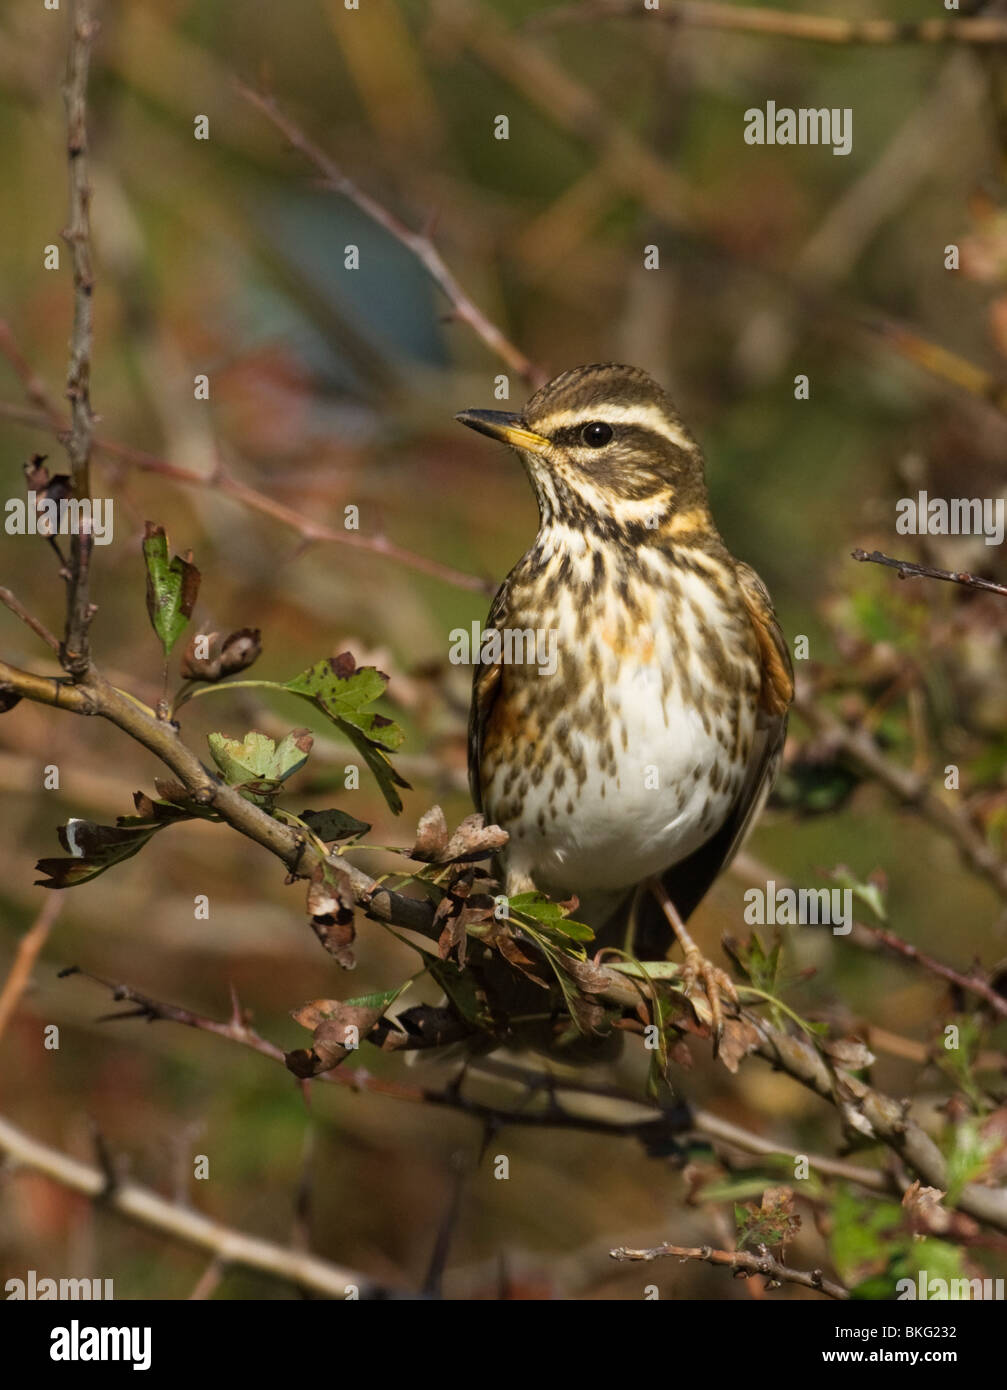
{"type": "Point", "coordinates": [628, 719]}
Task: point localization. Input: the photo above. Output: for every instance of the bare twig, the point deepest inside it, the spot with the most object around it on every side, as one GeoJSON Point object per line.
{"type": "Point", "coordinates": [309, 529]}
{"type": "Point", "coordinates": [27, 953]}
{"type": "Point", "coordinates": [909, 569]}
{"type": "Point", "coordinates": [711, 1126]}
{"type": "Point", "coordinates": [237, 1030]}
{"type": "Point", "coordinates": [74, 652]}
{"type": "Point", "coordinates": [704, 14]}
{"type": "Point", "coordinates": [418, 243]}
{"type": "Point", "coordinates": [147, 1208]}
{"type": "Point", "coordinates": [938, 361]}
{"type": "Point", "coordinates": [10, 601]}
{"type": "Point", "coordinates": [34, 387]}
{"type": "Point", "coordinates": [875, 938]}
{"type": "Point", "coordinates": [743, 1261]}
{"type": "Point", "coordinates": [914, 791]}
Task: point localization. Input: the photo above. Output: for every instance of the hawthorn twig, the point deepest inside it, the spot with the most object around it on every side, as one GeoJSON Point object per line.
{"type": "Point", "coordinates": [74, 652]}
{"type": "Point", "coordinates": [27, 953]}
{"type": "Point", "coordinates": [914, 791]}
{"type": "Point", "coordinates": [10, 600]}
{"type": "Point", "coordinates": [147, 1208]}
{"type": "Point", "coordinates": [35, 388]}
{"type": "Point", "coordinates": [909, 569]}
{"type": "Point", "coordinates": [418, 243]}
{"type": "Point", "coordinates": [878, 938]}
{"type": "Point", "coordinates": [745, 1261]}
{"type": "Point", "coordinates": [711, 1126]}
{"type": "Point", "coordinates": [224, 482]}
{"type": "Point", "coordinates": [237, 1030]}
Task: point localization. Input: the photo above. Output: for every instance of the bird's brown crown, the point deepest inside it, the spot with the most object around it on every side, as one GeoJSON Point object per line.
{"type": "Point", "coordinates": [617, 447]}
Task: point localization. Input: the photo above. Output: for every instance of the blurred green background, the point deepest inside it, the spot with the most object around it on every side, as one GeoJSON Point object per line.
{"type": "Point", "coordinates": [331, 387]}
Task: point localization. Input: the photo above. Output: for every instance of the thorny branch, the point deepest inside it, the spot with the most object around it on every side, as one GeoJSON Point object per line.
{"type": "Point", "coordinates": [657, 1125]}
{"type": "Point", "coordinates": [880, 938]}
{"type": "Point", "coordinates": [74, 652]}
{"type": "Point", "coordinates": [741, 1261]}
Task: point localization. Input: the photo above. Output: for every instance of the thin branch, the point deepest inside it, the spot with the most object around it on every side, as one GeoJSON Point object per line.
{"type": "Point", "coordinates": [912, 790]}
{"type": "Point", "coordinates": [908, 569]}
{"type": "Point", "coordinates": [699, 14]}
{"type": "Point", "coordinates": [711, 1126]}
{"type": "Point", "coordinates": [418, 243]}
{"type": "Point", "coordinates": [74, 653]}
{"type": "Point", "coordinates": [27, 953]}
{"type": "Point", "coordinates": [224, 483]}
{"type": "Point", "coordinates": [35, 388]}
{"type": "Point", "coordinates": [238, 1030]}
{"type": "Point", "coordinates": [938, 361]}
{"type": "Point", "coordinates": [147, 1208]}
{"type": "Point", "coordinates": [15, 605]}
{"type": "Point", "coordinates": [876, 938]}
{"type": "Point", "coordinates": [743, 1261]}
{"type": "Point", "coordinates": [909, 1050]}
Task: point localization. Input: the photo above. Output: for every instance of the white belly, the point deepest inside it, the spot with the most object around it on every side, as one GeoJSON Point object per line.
{"type": "Point", "coordinates": [658, 779]}
{"type": "Point", "coordinates": [653, 811]}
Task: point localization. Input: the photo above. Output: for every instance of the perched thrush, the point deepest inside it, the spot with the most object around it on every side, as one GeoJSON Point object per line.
{"type": "Point", "coordinates": [628, 750]}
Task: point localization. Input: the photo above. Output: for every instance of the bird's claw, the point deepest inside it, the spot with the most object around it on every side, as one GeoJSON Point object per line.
{"type": "Point", "coordinates": [715, 984]}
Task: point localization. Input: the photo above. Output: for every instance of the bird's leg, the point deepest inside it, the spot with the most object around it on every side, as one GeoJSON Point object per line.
{"type": "Point", "coordinates": [696, 968]}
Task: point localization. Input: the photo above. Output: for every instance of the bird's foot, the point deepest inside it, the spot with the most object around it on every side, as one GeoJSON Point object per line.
{"type": "Point", "coordinates": [699, 973]}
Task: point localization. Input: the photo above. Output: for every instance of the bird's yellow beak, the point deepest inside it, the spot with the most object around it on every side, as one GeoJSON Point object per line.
{"type": "Point", "coordinates": [510, 429]}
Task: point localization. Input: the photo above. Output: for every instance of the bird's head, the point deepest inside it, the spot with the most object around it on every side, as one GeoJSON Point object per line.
{"type": "Point", "coordinates": [604, 448]}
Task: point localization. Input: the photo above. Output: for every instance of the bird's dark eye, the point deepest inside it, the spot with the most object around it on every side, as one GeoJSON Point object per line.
{"type": "Point", "coordinates": [596, 434]}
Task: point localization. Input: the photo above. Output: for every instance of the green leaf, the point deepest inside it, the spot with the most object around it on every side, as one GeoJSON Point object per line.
{"type": "Point", "coordinates": [871, 894]}
{"type": "Point", "coordinates": [761, 966]}
{"type": "Point", "coordinates": [381, 1000]}
{"type": "Point", "coordinates": [866, 1235]}
{"type": "Point", "coordinates": [334, 824]}
{"type": "Point", "coordinates": [461, 988]}
{"type": "Point", "coordinates": [549, 914]}
{"type": "Point", "coordinates": [256, 761]}
{"type": "Point", "coordinates": [341, 690]}
{"type": "Point", "coordinates": [172, 587]}
{"type": "Point", "coordinates": [968, 1157]}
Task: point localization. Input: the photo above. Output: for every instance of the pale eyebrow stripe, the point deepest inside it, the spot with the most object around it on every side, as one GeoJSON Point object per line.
{"type": "Point", "coordinates": [649, 417]}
